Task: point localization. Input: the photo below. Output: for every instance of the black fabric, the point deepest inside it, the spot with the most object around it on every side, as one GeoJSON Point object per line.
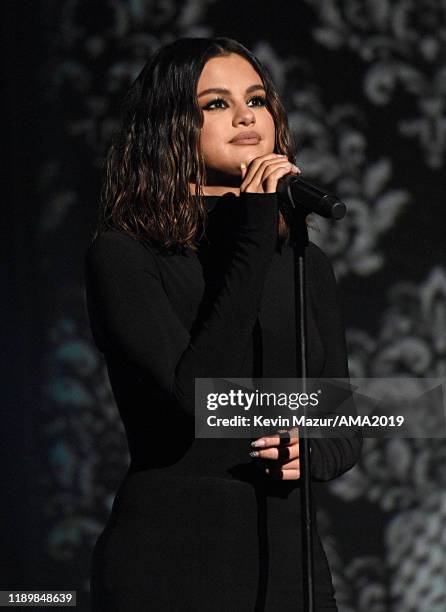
{"type": "Point", "coordinates": [195, 524]}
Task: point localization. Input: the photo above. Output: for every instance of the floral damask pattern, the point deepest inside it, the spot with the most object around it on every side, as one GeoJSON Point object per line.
{"type": "Point", "coordinates": [101, 56]}
{"type": "Point", "coordinates": [412, 338]}
{"type": "Point", "coordinates": [87, 451]}
{"type": "Point", "coordinates": [403, 45]}
{"type": "Point", "coordinates": [405, 478]}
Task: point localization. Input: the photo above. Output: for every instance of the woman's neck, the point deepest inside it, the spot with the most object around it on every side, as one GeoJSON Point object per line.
{"type": "Point", "coordinates": [215, 189]}
{"type": "Point", "coordinates": [219, 183]}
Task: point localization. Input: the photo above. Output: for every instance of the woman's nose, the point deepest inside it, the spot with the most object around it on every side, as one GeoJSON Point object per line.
{"type": "Point", "coordinates": [245, 116]}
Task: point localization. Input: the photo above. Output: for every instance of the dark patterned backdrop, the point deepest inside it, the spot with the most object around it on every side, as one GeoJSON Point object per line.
{"type": "Point", "coordinates": [364, 83]}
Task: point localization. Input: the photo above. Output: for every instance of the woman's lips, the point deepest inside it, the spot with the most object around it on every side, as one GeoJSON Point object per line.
{"type": "Point", "coordinates": [246, 138]}
{"type": "Point", "coordinates": [246, 141]}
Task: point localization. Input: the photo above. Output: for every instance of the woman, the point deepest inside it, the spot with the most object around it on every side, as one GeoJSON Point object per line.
{"type": "Point", "coordinates": [190, 276]}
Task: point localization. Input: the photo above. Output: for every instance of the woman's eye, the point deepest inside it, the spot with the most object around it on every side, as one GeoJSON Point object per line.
{"type": "Point", "coordinates": [259, 99]}
{"type": "Point", "coordinates": [210, 105]}
{"type": "Point", "coordinates": [213, 104]}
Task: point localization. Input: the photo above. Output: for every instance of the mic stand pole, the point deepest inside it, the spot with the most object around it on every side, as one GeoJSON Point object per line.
{"type": "Point", "coordinates": [304, 450]}
{"type": "Point", "coordinates": [299, 229]}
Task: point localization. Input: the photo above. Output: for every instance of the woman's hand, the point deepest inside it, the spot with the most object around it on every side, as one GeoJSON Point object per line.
{"type": "Point", "coordinates": [282, 454]}
{"type": "Point", "coordinates": [263, 172]}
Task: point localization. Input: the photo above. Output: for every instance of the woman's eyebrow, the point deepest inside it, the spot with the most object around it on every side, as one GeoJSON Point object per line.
{"type": "Point", "coordinates": [224, 91]}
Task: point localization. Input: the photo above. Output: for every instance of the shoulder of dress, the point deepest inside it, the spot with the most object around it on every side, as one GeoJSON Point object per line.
{"type": "Point", "coordinates": [116, 245]}
{"type": "Point", "coordinates": [113, 238]}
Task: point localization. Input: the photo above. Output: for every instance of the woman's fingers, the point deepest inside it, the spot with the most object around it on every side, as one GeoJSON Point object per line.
{"type": "Point", "coordinates": [259, 163]}
{"type": "Point", "coordinates": [283, 474]}
{"type": "Point", "coordinates": [267, 176]}
{"type": "Point", "coordinates": [285, 437]}
{"type": "Point", "coordinates": [263, 173]}
{"type": "Point", "coordinates": [281, 471]}
{"type": "Point", "coordinates": [281, 453]}
{"type": "Point", "coordinates": [288, 470]}
{"type": "Point", "coordinates": [274, 171]}
{"type": "Point", "coordinates": [249, 170]}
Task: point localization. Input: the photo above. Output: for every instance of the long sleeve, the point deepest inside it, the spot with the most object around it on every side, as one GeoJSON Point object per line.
{"type": "Point", "coordinates": [133, 317]}
{"type": "Point", "coordinates": [330, 457]}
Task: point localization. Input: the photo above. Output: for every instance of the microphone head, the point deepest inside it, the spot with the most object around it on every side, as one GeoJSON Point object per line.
{"type": "Point", "coordinates": [336, 207]}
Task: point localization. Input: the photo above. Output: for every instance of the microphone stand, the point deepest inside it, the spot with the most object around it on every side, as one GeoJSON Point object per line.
{"type": "Point", "coordinates": [301, 234]}
{"type": "Point", "coordinates": [311, 199]}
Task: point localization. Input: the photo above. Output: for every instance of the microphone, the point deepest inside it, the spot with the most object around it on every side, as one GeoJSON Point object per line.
{"type": "Point", "coordinates": [298, 194]}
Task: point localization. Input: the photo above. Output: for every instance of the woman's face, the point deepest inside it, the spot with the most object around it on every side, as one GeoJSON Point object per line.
{"type": "Point", "coordinates": [240, 108]}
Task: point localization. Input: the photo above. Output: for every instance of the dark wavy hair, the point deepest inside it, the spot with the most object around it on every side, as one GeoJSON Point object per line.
{"type": "Point", "coordinates": [156, 152]}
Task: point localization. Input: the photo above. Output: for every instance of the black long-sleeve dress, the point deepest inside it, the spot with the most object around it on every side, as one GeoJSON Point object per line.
{"type": "Point", "coordinates": [195, 525]}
